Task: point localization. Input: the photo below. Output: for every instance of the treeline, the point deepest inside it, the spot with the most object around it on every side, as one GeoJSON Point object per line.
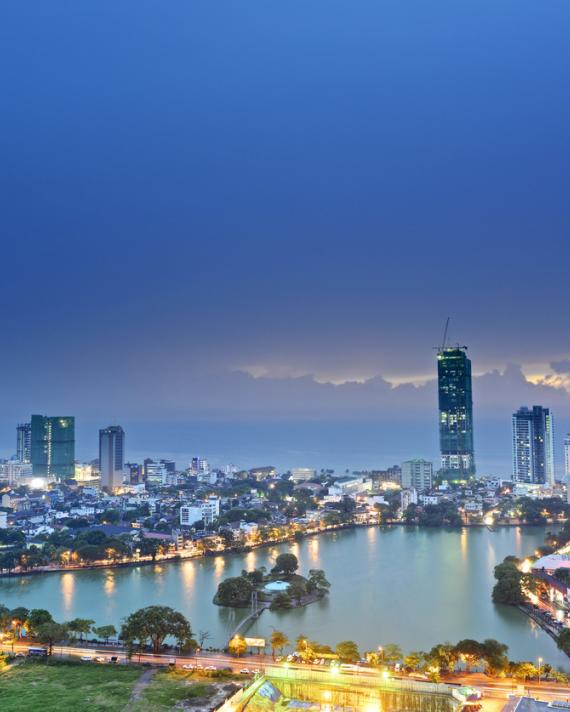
{"type": "Point", "coordinates": [148, 626]}
{"type": "Point", "coordinates": [443, 658]}
{"type": "Point", "coordinates": [71, 546]}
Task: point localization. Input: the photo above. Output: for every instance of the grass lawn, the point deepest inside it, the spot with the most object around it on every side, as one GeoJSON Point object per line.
{"type": "Point", "coordinates": [65, 686]}
{"type": "Point", "coordinates": [171, 686]}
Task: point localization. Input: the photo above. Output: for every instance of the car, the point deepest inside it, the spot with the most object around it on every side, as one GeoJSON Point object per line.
{"type": "Point", "coordinates": [114, 659]}
{"type": "Point", "coordinates": [188, 666]}
{"type": "Point", "coordinates": [100, 659]}
{"type": "Point", "coordinates": [87, 658]}
{"type": "Point", "coordinates": [245, 671]}
{"type": "Point", "coordinates": [20, 655]}
{"type": "Point", "coordinates": [211, 668]}
{"type": "Point", "coordinates": [256, 671]}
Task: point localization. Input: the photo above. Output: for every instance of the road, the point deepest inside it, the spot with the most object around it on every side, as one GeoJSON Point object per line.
{"type": "Point", "coordinates": [500, 689]}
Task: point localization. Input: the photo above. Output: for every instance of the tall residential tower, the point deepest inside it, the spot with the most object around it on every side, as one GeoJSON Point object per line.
{"type": "Point", "coordinates": [24, 443]}
{"type": "Point", "coordinates": [533, 449]}
{"type": "Point", "coordinates": [455, 413]}
{"type": "Point", "coordinates": [111, 456]}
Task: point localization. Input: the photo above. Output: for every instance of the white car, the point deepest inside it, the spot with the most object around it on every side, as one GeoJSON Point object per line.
{"type": "Point", "coordinates": [188, 667]}
{"type": "Point", "coordinates": [87, 658]}
{"type": "Point", "coordinates": [245, 671]}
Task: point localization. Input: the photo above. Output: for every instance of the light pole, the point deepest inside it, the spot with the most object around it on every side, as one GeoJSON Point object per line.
{"type": "Point", "coordinates": [539, 667]}
{"type": "Point", "coordinates": [381, 652]}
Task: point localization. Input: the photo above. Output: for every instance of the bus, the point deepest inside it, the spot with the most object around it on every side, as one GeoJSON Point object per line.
{"type": "Point", "coordinates": [37, 652]}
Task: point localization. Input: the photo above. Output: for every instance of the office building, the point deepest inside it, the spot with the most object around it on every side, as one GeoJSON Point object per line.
{"type": "Point", "coordinates": [24, 442]}
{"type": "Point", "coordinates": [417, 475]}
{"type": "Point", "coordinates": [3, 520]}
{"type": "Point", "coordinates": [567, 456]}
{"type": "Point", "coordinates": [53, 446]}
{"type": "Point", "coordinates": [455, 413]}
{"type": "Point", "coordinates": [533, 449]}
{"type": "Point", "coordinates": [111, 456]}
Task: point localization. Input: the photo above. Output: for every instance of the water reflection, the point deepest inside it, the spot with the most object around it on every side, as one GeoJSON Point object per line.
{"type": "Point", "coordinates": [188, 572]}
{"type": "Point", "coordinates": [109, 584]}
{"type": "Point", "coordinates": [67, 589]}
{"type": "Point", "coordinates": [219, 565]}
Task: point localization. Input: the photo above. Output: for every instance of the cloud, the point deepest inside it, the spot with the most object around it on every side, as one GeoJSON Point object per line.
{"type": "Point", "coordinates": [562, 367]}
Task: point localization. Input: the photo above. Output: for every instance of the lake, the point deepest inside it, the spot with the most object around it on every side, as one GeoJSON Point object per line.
{"type": "Point", "coordinates": [404, 585]}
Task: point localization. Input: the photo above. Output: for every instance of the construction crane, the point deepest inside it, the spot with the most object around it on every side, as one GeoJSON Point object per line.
{"type": "Point", "coordinates": [441, 349]}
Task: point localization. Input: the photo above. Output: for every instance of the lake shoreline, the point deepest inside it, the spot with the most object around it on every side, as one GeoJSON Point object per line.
{"type": "Point", "coordinates": [176, 558]}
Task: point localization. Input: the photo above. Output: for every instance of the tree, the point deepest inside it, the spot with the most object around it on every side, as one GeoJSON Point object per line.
{"type": "Point", "coordinates": [18, 618]}
{"type": "Point", "coordinates": [155, 623]}
{"type": "Point", "coordinates": [280, 600]}
{"type": "Point", "coordinates": [347, 650]}
{"type": "Point", "coordinates": [317, 581]}
{"type": "Point", "coordinates": [150, 547]}
{"type": "Point", "coordinates": [414, 660]}
{"type": "Point", "coordinates": [444, 656]}
{"type": "Point", "coordinates": [80, 626]}
{"type": "Point", "coordinates": [471, 650]}
{"type": "Point", "coordinates": [297, 590]}
{"type": "Point", "coordinates": [495, 655]}
{"type": "Point", "coordinates": [511, 582]}
{"type": "Point", "coordinates": [51, 633]}
{"type": "Point", "coordinates": [286, 564]}
{"type": "Point", "coordinates": [237, 645]}
{"type": "Point", "coordinates": [203, 636]}
{"type": "Point", "coordinates": [563, 641]}
{"type": "Point", "coordinates": [392, 653]}
{"type": "Point", "coordinates": [234, 592]}
{"type": "Point", "coordinates": [278, 641]}
{"type": "Point", "coordinates": [105, 632]}
{"type": "Point", "coordinates": [36, 618]}
{"type": "Point", "coordinates": [524, 670]}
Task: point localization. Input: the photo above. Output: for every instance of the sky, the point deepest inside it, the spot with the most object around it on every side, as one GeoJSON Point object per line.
{"type": "Point", "coordinates": [237, 228]}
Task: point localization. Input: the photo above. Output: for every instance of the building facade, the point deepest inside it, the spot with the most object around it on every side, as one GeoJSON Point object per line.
{"type": "Point", "coordinates": [53, 446]}
{"type": "Point", "coordinates": [455, 413]}
{"type": "Point", "coordinates": [567, 456]}
{"type": "Point", "coordinates": [533, 448]}
{"type": "Point", "coordinates": [417, 475]}
{"type": "Point", "coordinates": [24, 442]}
{"type": "Point", "coordinates": [112, 456]}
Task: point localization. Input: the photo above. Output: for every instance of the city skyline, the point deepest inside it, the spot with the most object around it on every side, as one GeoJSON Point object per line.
{"type": "Point", "coordinates": [220, 246]}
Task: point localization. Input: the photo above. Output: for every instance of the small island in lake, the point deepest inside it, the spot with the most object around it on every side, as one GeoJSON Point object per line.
{"type": "Point", "coordinates": [281, 588]}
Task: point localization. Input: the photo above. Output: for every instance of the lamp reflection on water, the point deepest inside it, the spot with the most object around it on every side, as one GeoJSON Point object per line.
{"type": "Point", "coordinates": [67, 589]}
{"type": "Point", "coordinates": [109, 585]}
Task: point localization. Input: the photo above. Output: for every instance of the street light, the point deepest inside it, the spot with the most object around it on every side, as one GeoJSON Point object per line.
{"type": "Point", "coordinates": [539, 666]}
{"type": "Point", "coordinates": [381, 652]}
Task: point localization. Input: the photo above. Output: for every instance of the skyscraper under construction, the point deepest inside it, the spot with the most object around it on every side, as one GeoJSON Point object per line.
{"type": "Point", "coordinates": [455, 413]}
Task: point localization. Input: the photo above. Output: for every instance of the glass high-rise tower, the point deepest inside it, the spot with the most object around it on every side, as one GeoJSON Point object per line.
{"type": "Point", "coordinates": [455, 413]}
{"type": "Point", "coordinates": [53, 446]}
